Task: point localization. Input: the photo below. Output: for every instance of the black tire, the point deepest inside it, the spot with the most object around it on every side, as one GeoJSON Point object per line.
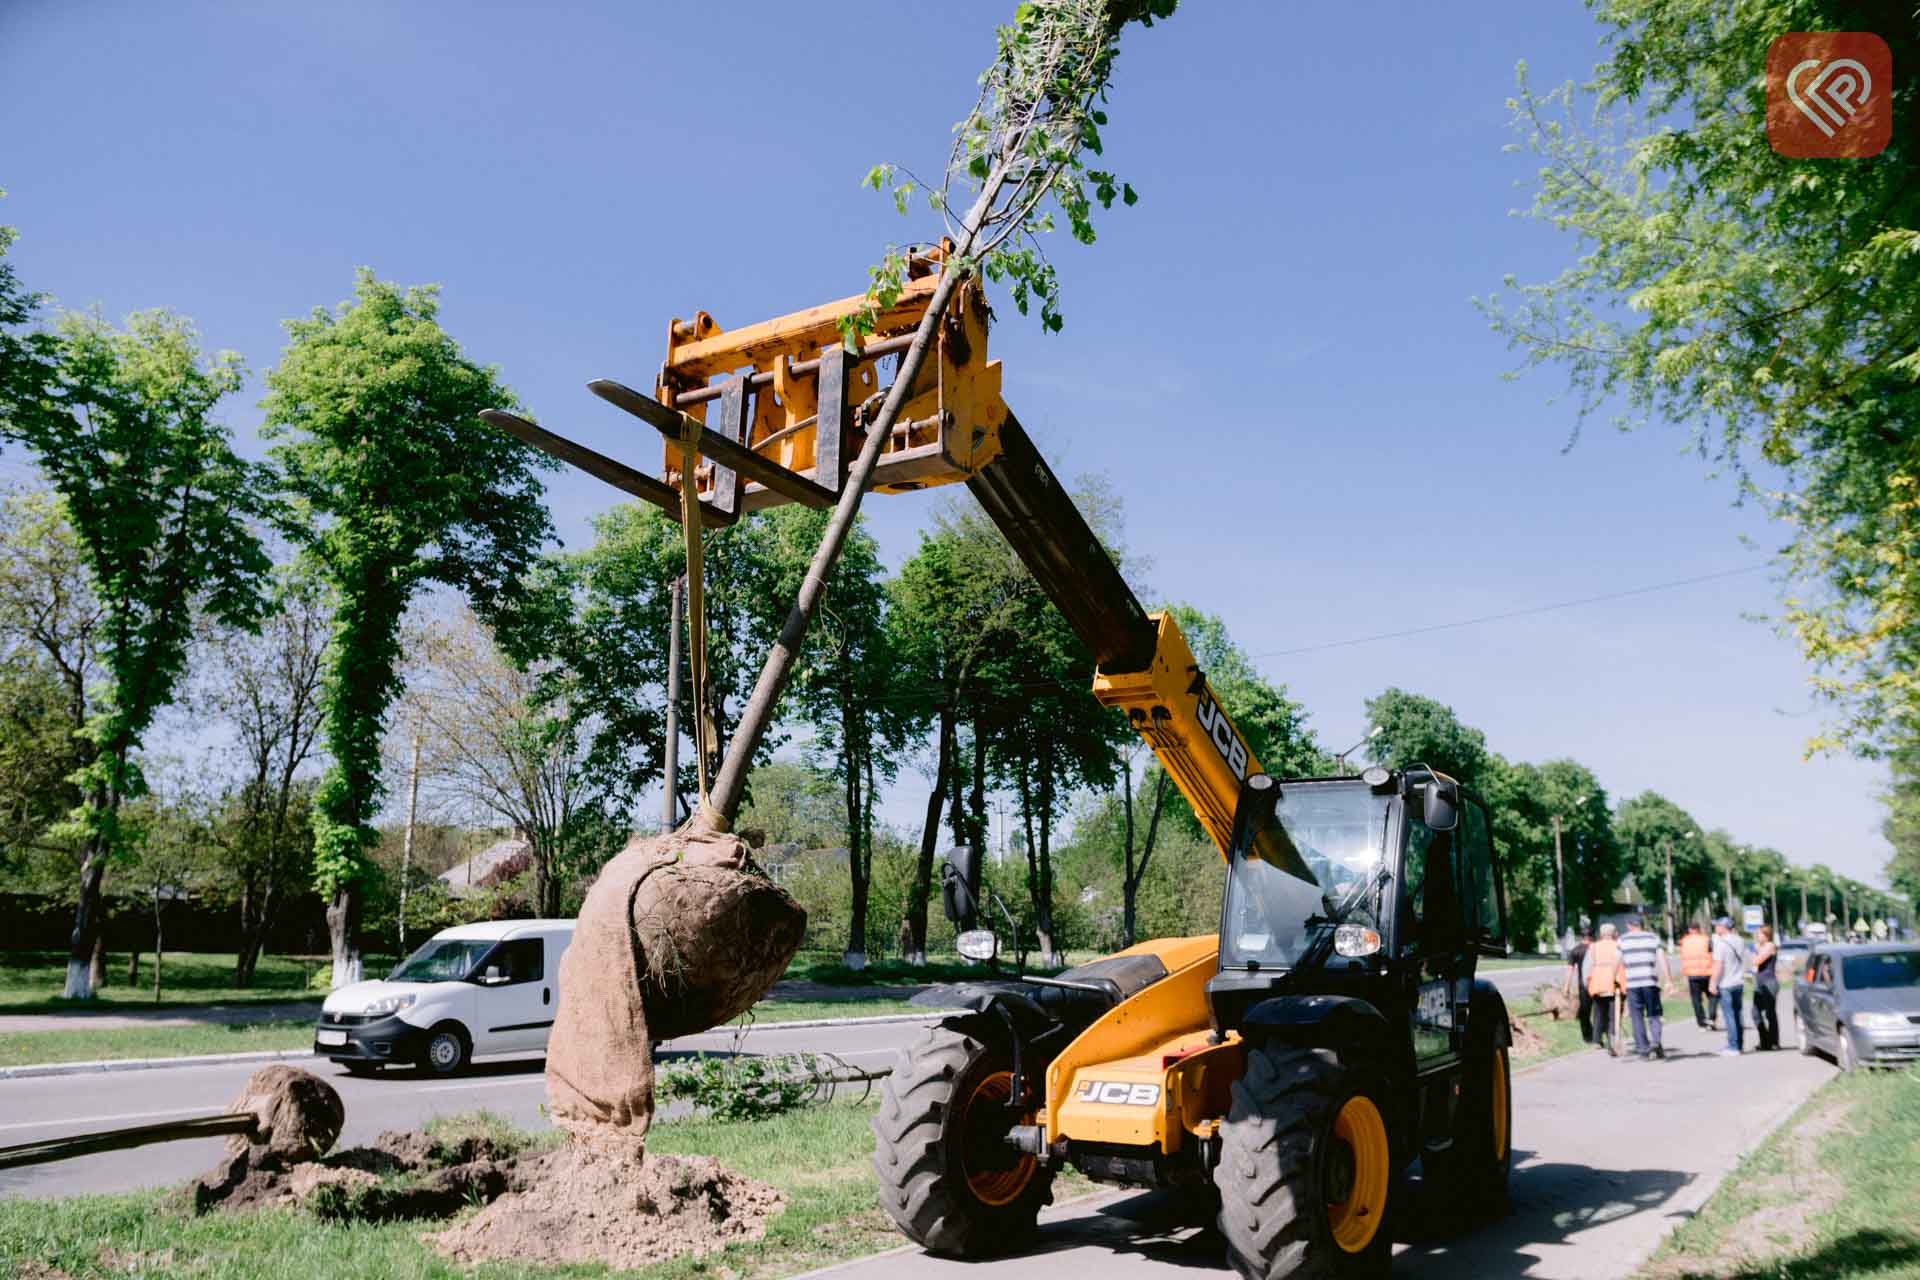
{"type": "Point", "coordinates": [1844, 1055]}
{"type": "Point", "coordinates": [447, 1051]}
{"type": "Point", "coordinates": [1801, 1034]}
{"type": "Point", "coordinates": [947, 1179]}
{"type": "Point", "coordinates": [1281, 1166]}
{"type": "Point", "coordinates": [1468, 1181]}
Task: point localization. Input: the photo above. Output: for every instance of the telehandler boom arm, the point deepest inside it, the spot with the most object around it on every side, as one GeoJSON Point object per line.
{"type": "Point", "coordinates": [776, 410]}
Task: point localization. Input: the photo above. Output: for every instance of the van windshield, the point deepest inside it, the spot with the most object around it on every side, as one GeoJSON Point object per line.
{"type": "Point", "coordinates": [443, 960]}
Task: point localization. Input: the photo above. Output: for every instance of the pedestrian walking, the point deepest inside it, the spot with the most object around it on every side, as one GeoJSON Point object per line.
{"type": "Point", "coordinates": [1729, 983]}
{"type": "Point", "coordinates": [1696, 962]}
{"type": "Point", "coordinates": [1644, 971]}
{"type": "Point", "coordinates": [1766, 990]}
{"type": "Point", "coordinates": [1573, 980]}
{"type": "Point", "coordinates": [1601, 974]}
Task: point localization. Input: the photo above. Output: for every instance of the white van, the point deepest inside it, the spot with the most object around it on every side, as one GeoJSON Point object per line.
{"type": "Point", "coordinates": [478, 988]}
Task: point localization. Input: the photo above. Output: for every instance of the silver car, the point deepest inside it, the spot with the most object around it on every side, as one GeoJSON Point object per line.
{"type": "Point", "coordinates": [1861, 1003]}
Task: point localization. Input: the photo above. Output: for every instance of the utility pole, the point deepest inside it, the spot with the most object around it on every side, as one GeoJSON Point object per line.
{"type": "Point", "coordinates": [1559, 884]}
{"type": "Point", "coordinates": [1733, 912]}
{"type": "Point", "coordinates": [406, 844]}
{"type": "Point", "coordinates": [670, 787]}
{"type": "Point", "coordinates": [1803, 905]}
{"type": "Point", "coordinates": [1773, 894]}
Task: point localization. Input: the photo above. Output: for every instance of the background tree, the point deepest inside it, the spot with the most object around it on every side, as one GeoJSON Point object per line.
{"type": "Point", "coordinates": [1902, 824]}
{"type": "Point", "coordinates": [1648, 827]}
{"type": "Point", "coordinates": [1591, 856]}
{"type": "Point", "coordinates": [397, 485]}
{"type": "Point", "coordinates": [1772, 303]}
{"type": "Point", "coordinates": [162, 508]}
{"type": "Point", "coordinates": [595, 625]}
{"type": "Point", "coordinates": [1418, 730]}
{"type": "Point", "coordinates": [793, 802]}
{"type": "Point", "coordinates": [843, 686]}
{"type": "Point", "coordinates": [493, 750]}
{"type": "Point", "coordinates": [265, 686]}
{"type": "Point", "coordinates": [49, 671]}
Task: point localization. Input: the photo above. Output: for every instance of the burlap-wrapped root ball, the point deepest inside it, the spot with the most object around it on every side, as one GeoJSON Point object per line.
{"type": "Point", "coordinates": [297, 1117]}
{"type": "Point", "coordinates": [676, 936]}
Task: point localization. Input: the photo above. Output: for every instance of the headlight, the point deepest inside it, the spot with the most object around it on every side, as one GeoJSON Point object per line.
{"type": "Point", "coordinates": [1881, 1021]}
{"type": "Point", "coordinates": [389, 1004]}
{"type": "Point", "coordinates": [1355, 940]}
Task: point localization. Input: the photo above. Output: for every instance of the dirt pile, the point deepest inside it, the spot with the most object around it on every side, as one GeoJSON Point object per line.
{"type": "Point", "coordinates": [296, 1116]}
{"type": "Point", "coordinates": [677, 935]}
{"type": "Point", "coordinates": [397, 1175]}
{"type": "Point", "coordinates": [581, 1204]}
{"type": "Point", "coordinates": [1557, 1003]}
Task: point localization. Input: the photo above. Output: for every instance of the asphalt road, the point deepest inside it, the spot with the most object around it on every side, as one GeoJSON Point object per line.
{"type": "Point", "coordinates": [53, 1106]}
{"type": "Point", "coordinates": [1609, 1156]}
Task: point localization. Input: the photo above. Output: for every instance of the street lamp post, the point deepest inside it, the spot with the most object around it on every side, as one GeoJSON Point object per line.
{"type": "Point", "coordinates": [1340, 759]}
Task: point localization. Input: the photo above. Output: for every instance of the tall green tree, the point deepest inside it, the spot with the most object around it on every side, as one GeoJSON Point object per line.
{"type": "Point", "coordinates": [1772, 304]}
{"type": "Point", "coordinates": [1652, 828]}
{"type": "Point", "coordinates": [1418, 730]}
{"type": "Point", "coordinates": [397, 485]}
{"type": "Point", "coordinates": [844, 687]}
{"type": "Point", "coordinates": [1901, 826]}
{"type": "Point", "coordinates": [122, 425]}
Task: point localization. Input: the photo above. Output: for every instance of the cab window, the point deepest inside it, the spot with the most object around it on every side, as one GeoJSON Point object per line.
{"type": "Point", "coordinates": [1479, 890]}
{"type": "Point", "coordinates": [523, 960]}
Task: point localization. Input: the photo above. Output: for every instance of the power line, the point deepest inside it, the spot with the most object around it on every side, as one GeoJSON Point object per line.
{"type": "Point", "coordinates": [1515, 613]}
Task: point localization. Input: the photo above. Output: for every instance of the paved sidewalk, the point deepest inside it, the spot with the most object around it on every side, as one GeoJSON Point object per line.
{"type": "Point", "coordinates": [121, 1017]}
{"type": "Point", "coordinates": [1609, 1156]}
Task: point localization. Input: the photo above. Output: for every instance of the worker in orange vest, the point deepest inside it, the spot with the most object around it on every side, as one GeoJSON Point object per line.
{"type": "Point", "coordinates": [1605, 977]}
{"type": "Point", "coordinates": [1696, 962]}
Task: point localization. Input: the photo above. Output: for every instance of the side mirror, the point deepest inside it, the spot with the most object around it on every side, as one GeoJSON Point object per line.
{"type": "Point", "coordinates": [960, 886]}
{"type": "Point", "coordinates": [977, 944]}
{"type": "Point", "coordinates": [492, 976]}
{"type": "Point", "coordinates": [1439, 802]}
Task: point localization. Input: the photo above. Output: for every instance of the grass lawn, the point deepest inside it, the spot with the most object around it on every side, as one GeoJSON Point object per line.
{"type": "Point", "coordinates": [768, 1011]}
{"type": "Point", "coordinates": [817, 1156]}
{"type": "Point", "coordinates": [1831, 1196]}
{"type": "Point", "coordinates": [30, 981]}
{"type": "Point", "coordinates": [816, 967]}
{"type": "Point", "coordinates": [1517, 961]}
{"type": "Point", "coordinates": [87, 1044]}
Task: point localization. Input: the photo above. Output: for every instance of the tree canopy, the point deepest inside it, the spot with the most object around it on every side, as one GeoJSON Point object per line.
{"type": "Point", "coordinates": [1771, 304]}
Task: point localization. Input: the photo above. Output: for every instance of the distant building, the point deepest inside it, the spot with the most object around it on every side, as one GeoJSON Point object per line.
{"type": "Point", "coordinates": [470, 877]}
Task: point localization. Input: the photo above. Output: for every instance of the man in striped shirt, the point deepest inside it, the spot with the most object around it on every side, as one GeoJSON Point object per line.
{"type": "Point", "coordinates": [1645, 963]}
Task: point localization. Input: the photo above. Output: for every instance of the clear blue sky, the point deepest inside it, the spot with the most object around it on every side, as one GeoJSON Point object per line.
{"type": "Point", "coordinates": [1272, 357]}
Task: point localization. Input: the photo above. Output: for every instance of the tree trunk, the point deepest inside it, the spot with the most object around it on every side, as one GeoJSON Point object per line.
{"type": "Point", "coordinates": [133, 967]}
{"type": "Point", "coordinates": [159, 940]}
{"type": "Point", "coordinates": [82, 977]}
{"type": "Point", "coordinates": [1137, 872]}
{"type": "Point", "coordinates": [978, 800]}
{"type": "Point", "coordinates": [343, 922]}
{"type": "Point", "coordinates": [929, 839]}
{"type": "Point", "coordinates": [1128, 885]}
{"type": "Point", "coordinates": [855, 956]}
{"type": "Point", "coordinates": [97, 962]}
{"type": "Point", "coordinates": [1043, 910]}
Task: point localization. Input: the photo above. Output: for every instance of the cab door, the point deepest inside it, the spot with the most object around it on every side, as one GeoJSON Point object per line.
{"type": "Point", "coordinates": [515, 1004]}
{"type": "Point", "coordinates": [1432, 946]}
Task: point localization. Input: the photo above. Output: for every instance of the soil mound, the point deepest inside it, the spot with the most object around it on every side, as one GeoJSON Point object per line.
{"type": "Point", "coordinates": [678, 934]}
{"type": "Point", "coordinates": [581, 1204]}
{"type": "Point", "coordinates": [434, 1179]}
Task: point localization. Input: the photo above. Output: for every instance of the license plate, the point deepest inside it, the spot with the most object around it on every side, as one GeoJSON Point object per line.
{"type": "Point", "coordinates": [330, 1037]}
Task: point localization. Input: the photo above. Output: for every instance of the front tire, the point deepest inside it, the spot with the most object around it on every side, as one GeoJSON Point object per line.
{"type": "Point", "coordinates": [1843, 1052]}
{"type": "Point", "coordinates": [1306, 1175]}
{"type": "Point", "coordinates": [447, 1050]}
{"type": "Point", "coordinates": [947, 1176]}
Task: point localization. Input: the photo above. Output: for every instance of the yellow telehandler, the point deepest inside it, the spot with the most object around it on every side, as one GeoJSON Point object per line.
{"type": "Point", "coordinates": [1289, 1069]}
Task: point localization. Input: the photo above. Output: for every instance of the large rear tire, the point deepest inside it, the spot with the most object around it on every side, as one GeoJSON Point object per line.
{"type": "Point", "coordinates": [1307, 1175]}
{"type": "Point", "coordinates": [947, 1176]}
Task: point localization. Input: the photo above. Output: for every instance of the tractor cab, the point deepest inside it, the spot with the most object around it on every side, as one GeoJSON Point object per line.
{"type": "Point", "coordinates": [1380, 887]}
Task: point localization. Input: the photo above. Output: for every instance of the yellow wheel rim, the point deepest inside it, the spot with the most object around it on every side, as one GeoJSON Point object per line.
{"type": "Point", "coordinates": [1499, 1094]}
{"type": "Point", "coordinates": [993, 1177]}
{"type": "Point", "coordinates": [1356, 1219]}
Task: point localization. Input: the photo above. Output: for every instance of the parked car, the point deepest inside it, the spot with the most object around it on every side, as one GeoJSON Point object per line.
{"type": "Point", "coordinates": [474, 989]}
{"type": "Point", "coordinates": [1861, 1003]}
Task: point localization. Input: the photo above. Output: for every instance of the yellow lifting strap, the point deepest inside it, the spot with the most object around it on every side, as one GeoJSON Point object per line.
{"type": "Point", "coordinates": [705, 732]}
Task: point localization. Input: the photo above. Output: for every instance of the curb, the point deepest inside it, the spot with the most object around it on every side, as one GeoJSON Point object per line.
{"type": "Point", "coordinates": [37, 1070]}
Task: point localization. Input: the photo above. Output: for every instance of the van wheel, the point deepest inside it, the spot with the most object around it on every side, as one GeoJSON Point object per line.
{"type": "Point", "coordinates": [447, 1050]}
